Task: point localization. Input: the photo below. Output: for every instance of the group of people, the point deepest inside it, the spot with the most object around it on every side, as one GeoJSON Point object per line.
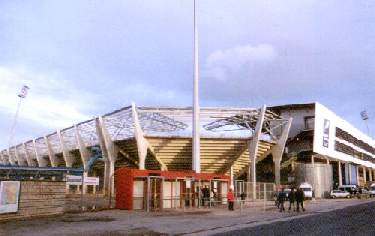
{"type": "Point", "coordinates": [295, 196]}
{"type": "Point", "coordinates": [206, 195]}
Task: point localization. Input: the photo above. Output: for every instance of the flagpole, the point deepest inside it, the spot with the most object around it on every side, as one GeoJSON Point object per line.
{"type": "Point", "coordinates": [196, 108]}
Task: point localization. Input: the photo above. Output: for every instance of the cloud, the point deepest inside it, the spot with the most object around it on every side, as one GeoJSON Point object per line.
{"type": "Point", "coordinates": [219, 63]}
{"type": "Point", "coordinates": [51, 102]}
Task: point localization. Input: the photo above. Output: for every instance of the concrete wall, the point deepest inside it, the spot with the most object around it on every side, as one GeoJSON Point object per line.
{"type": "Point", "coordinates": [298, 123]}
{"type": "Point", "coordinates": [319, 177]}
{"type": "Point", "coordinates": [38, 198]}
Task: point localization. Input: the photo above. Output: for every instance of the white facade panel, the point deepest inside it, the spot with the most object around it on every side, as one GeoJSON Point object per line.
{"type": "Point", "coordinates": [325, 135]}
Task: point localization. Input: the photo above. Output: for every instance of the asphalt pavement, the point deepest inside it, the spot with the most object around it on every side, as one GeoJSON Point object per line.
{"type": "Point", "coordinates": [354, 220]}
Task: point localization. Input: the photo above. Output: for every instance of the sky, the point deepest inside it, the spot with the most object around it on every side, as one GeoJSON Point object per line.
{"type": "Point", "coordinates": [85, 58]}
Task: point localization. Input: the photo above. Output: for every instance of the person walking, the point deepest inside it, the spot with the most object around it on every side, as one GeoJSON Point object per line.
{"type": "Point", "coordinates": [292, 198]}
{"type": "Point", "coordinates": [230, 199]}
{"type": "Point", "coordinates": [281, 199]}
{"type": "Point", "coordinates": [212, 198]}
{"type": "Point", "coordinates": [300, 197]}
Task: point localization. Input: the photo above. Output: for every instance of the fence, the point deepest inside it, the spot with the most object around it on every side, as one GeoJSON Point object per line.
{"type": "Point", "coordinates": [155, 193]}
{"type": "Point", "coordinates": [263, 191]}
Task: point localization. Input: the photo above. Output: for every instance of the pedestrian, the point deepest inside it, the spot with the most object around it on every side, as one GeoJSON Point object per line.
{"type": "Point", "coordinates": [281, 198]}
{"type": "Point", "coordinates": [212, 198]}
{"type": "Point", "coordinates": [230, 198]}
{"type": "Point", "coordinates": [300, 197]}
{"type": "Point", "coordinates": [243, 197]}
{"type": "Point", "coordinates": [292, 198]}
{"type": "Point", "coordinates": [276, 197]}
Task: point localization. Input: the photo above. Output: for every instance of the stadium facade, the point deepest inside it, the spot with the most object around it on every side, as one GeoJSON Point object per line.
{"type": "Point", "coordinates": [233, 140]}
{"type": "Point", "coordinates": [321, 148]}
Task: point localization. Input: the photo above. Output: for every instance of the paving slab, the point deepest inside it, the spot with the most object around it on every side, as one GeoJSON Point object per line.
{"type": "Point", "coordinates": [203, 221]}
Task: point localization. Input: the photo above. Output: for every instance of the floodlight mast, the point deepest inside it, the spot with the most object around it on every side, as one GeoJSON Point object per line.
{"type": "Point", "coordinates": [365, 118]}
{"type": "Point", "coordinates": [22, 95]}
{"type": "Point", "coordinates": [196, 109]}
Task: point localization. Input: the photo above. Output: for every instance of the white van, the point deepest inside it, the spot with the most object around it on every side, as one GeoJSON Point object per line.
{"type": "Point", "coordinates": [307, 189]}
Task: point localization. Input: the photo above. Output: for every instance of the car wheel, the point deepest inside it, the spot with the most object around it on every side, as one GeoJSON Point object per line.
{"type": "Point", "coordinates": [333, 196]}
{"type": "Point", "coordinates": [348, 196]}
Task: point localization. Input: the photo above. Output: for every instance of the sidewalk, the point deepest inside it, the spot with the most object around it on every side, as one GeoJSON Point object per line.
{"type": "Point", "coordinates": [204, 221]}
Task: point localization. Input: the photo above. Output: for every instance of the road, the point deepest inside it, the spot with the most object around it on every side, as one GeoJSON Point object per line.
{"type": "Point", "coordinates": [354, 220]}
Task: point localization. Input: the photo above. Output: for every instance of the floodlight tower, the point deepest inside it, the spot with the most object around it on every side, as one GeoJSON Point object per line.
{"type": "Point", "coordinates": [196, 109]}
{"type": "Point", "coordinates": [22, 95]}
{"type": "Point", "coordinates": [365, 118]}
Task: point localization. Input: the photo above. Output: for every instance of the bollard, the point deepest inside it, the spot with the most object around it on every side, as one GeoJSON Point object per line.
{"type": "Point", "coordinates": [264, 197]}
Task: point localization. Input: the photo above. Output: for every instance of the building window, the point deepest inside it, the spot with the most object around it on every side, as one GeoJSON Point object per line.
{"type": "Point", "coordinates": [309, 122]}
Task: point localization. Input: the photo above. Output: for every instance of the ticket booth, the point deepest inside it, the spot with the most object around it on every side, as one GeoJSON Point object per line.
{"type": "Point", "coordinates": [154, 190]}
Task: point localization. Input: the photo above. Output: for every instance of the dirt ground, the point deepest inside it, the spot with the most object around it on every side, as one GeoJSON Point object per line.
{"type": "Point", "coordinates": [203, 221]}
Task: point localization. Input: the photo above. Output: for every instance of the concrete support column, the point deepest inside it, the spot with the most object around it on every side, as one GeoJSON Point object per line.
{"type": "Point", "coordinates": [364, 174]}
{"type": "Point", "coordinates": [350, 172]}
{"type": "Point", "coordinates": [253, 176]}
{"type": "Point", "coordinates": [68, 158]}
{"type": "Point", "coordinates": [357, 169]}
{"type": "Point", "coordinates": [84, 186]}
{"type": "Point", "coordinates": [340, 172]}
{"type": "Point", "coordinates": [370, 174]}
{"type": "Point", "coordinates": [21, 161]}
{"type": "Point", "coordinates": [142, 144]}
{"type": "Point", "coordinates": [29, 161]}
{"type": "Point", "coordinates": [109, 151]}
{"type": "Point", "coordinates": [11, 158]}
{"type": "Point", "coordinates": [84, 153]}
{"type": "Point", "coordinates": [112, 178]}
{"type": "Point", "coordinates": [277, 170]}
{"type": "Point", "coordinates": [313, 166]}
{"type": "Point", "coordinates": [106, 177]}
{"type": "Point", "coordinates": [278, 150]}
{"type": "Point", "coordinates": [51, 154]}
{"type": "Point", "coordinates": [231, 176]}
{"type": "Point", "coordinates": [253, 149]}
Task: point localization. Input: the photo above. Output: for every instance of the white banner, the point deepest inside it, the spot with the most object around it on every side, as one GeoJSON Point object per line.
{"type": "Point", "coordinates": [77, 180]}
{"type": "Point", "coordinates": [73, 180]}
{"type": "Point", "coordinates": [91, 180]}
{"type": "Point", "coordinates": [9, 196]}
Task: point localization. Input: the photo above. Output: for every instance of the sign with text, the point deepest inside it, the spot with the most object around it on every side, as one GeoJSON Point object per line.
{"type": "Point", "coordinates": [91, 181]}
{"type": "Point", "coordinates": [73, 180]}
{"type": "Point", "coordinates": [77, 180]}
{"type": "Point", "coordinates": [326, 133]}
{"type": "Point", "coordinates": [9, 196]}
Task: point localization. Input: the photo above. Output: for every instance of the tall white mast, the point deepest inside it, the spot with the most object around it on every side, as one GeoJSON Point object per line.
{"type": "Point", "coordinates": [196, 109]}
{"type": "Point", "coordinates": [21, 96]}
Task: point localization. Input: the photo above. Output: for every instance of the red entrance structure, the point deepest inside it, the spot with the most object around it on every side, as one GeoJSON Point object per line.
{"type": "Point", "coordinates": [154, 190]}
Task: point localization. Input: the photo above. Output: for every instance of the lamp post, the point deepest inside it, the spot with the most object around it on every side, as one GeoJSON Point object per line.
{"type": "Point", "coordinates": [365, 118]}
{"type": "Point", "coordinates": [196, 108]}
{"type": "Point", "coordinates": [22, 95]}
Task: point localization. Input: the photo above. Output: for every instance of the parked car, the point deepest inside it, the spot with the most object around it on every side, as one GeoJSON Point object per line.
{"type": "Point", "coordinates": [372, 190]}
{"type": "Point", "coordinates": [351, 188]}
{"type": "Point", "coordinates": [340, 194]}
{"type": "Point", "coordinates": [307, 190]}
{"type": "Point", "coordinates": [363, 193]}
